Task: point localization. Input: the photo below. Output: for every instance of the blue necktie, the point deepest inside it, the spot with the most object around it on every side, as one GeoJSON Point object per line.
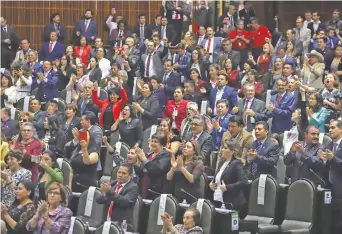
{"type": "Point", "coordinates": [254, 164]}
{"type": "Point", "coordinates": [83, 107]}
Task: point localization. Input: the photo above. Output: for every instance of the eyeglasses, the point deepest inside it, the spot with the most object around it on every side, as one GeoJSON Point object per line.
{"type": "Point", "coordinates": [26, 130]}
{"type": "Point", "coordinates": [195, 124]}
{"type": "Point", "coordinates": [23, 120]}
{"type": "Point", "coordinates": [53, 193]}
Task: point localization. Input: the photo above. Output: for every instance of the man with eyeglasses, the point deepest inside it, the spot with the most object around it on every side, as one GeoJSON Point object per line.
{"type": "Point", "coordinates": [84, 102]}
{"type": "Point", "coordinates": [8, 126]}
{"type": "Point", "coordinates": [228, 52]}
{"type": "Point", "coordinates": [52, 50]}
{"type": "Point", "coordinates": [191, 110]}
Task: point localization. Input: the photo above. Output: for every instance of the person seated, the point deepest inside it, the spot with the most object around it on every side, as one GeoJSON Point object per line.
{"type": "Point", "coordinates": [120, 197]}
{"type": "Point", "coordinates": [12, 176]}
{"type": "Point", "coordinates": [53, 215]}
{"type": "Point", "coordinates": [50, 173]}
{"type": "Point", "coordinates": [230, 179]}
{"type": "Point", "coordinates": [9, 126]}
{"type": "Point", "coordinates": [190, 93]}
{"type": "Point", "coordinates": [186, 171]}
{"type": "Point", "coordinates": [8, 90]}
{"type": "Point", "coordinates": [191, 222]}
{"type": "Point", "coordinates": [4, 149]}
{"type": "Point", "coordinates": [21, 211]}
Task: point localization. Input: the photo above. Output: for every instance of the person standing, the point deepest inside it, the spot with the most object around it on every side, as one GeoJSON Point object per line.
{"type": "Point", "coordinates": [87, 27]}
{"type": "Point", "coordinates": [55, 26]}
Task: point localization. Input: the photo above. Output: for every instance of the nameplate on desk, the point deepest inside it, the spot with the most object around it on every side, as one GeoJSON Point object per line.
{"type": "Point", "coordinates": [327, 197]}
{"type": "Point", "coordinates": [223, 211]}
{"type": "Point", "coordinates": [147, 201]}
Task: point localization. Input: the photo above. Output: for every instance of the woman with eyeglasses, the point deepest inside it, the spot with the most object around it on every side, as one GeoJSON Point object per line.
{"type": "Point", "coordinates": [30, 146]}
{"type": "Point", "coordinates": [185, 172]}
{"type": "Point", "coordinates": [21, 211]}
{"type": "Point", "coordinates": [25, 117]}
{"type": "Point", "coordinates": [82, 51]}
{"type": "Point", "coordinates": [104, 64]}
{"type": "Point", "coordinates": [65, 70]}
{"type": "Point", "coordinates": [8, 90]}
{"type": "Point", "coordinates": [52, 216]}
{"type": "Point", "coordinates": [77, 81]}
{"type": "Point", "coordinates": [50, 173]}
{"type": "Point", "coordinates": [11, 177]}
{"type": "Point", "coordinates": [22, 80]}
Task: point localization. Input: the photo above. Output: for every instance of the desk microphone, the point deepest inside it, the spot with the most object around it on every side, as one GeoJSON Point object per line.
{"type": "Point", "coordinates": [250, 173]}
{"type": "Point", "coordinates": [82, 185]}
{"type": "Point", "coordinates": [190, 195]}
{"type": "Point", "coordinates": [317, 176]}
{"type": "Point", "coordinates": [279, 171]}
{"type": "Point", "coordinates": [154, 192]}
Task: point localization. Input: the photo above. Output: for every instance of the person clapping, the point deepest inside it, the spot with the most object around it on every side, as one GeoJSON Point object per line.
{"type": "Point", "coordinates": [191, 219]}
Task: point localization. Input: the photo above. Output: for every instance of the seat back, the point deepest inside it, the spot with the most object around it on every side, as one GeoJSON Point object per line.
{"type": "Point", "coordinates": [113, 174]}
{"type": "Point", "coordinates": [66, 96]}
{"type": "Point", "coordinates": [300, 205]}
{"type": "Point", "coordinates": [265, 213]}
{"type": "Point", "coordinates": [77, 226]}
{"type": "Point", "coordinates": [65, 167]}
{"type": "Point", "coordinates": [114, 137]}
{"type": "Point", "coordinates": [207, 215]}
{"type": "Point", "coordinates": [88, 209]}
{"type": "Point", "coordinates": [147, 136]}
{"type": "Point", "coordinates": [109, 228]}
{"type": "Point", "coordinates": [202, 185]}
{"type": "Point", "coordinates": [280, 171]}
{"type": "Point", "coordinates": [23, 104]}
{"type": "Point", "coordinates": [136, 214]}
{"type": "Point", "coordinates": [326, 140]}
{"type": "Point", "coordinates": [171, 207]}
{"type": "Point", "coordinates": [214, 159]}
{"type": "Point", "coordinates": [14, 114]}
{"type": "Point", "coordinates": [61, 105]}
{"type": "Point", "coordinates": [102, 94]}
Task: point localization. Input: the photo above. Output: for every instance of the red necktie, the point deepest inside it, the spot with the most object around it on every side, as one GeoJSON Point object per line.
{"type": "Point", "coordinates": [175, 5]}
{"type": "Point", "coordinates": [209, 44]}
{"type": "Point", "coordinates": [110, 210]}
{"type": "Point", "coordinates": [50, 47]}
{"type": "Point", "coordinates": [195, 138]}
{"type": "Point", "coordinates": [278, 99]}
{"type": "Point", "coordinates": [246, 104]}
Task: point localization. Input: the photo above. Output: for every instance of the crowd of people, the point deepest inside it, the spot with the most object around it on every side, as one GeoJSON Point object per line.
{"type": "Point", "coordinates": [250, 94]}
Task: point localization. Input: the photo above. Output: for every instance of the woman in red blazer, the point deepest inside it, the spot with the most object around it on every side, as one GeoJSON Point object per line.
{"type": "Point", "coordinates": [82, 51]}
{"type": "Point", "coordinates": [110, 108]}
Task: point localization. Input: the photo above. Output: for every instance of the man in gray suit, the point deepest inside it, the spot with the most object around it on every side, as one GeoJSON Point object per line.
{"type": "Point", "coordinates": [228, 52]}
{"type": "Point", "coordinates": [203, 138]}
{"type": "Point", "coordinates": [302, 33]}
{"type": "Point", "coordinates": [151, 62]}
{"type": "Point", "coordinates": [212, 44]}
{"type": "Point", "coordinates": [252, 110]}
{"type": "Point", "coordinates": [303, 157]}
{"type": "Point", "coordinates": [38, 117]}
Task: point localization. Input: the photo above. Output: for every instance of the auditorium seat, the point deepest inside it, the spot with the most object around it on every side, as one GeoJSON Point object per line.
{"type": "Point", "coordinates": [260, 218]}
{"type": "Point", "coordinates": [77, 226]}
{"type": "Point", "coordinates": [136, 214]}
{"type": "Point", "coordinates": [147, 136]}
{"type": "Point", "coordinates": [61, 105]}
{"type": "Point", "coordinates": [89, 211]}
{"type": "Point", "coordinates": [203, 185]}
{"type": "Point", "coordinates": [207, 215]}
{"type": "Point", "coordinates": [15, 114]}
{"type": "Point", "coordinates": [109, 228]}
{"type": "Point", "coordinates": [66, 96]}
{"type": "Point", "coordinates": [171, 207]}
{"type": "Point", "coordinates": [23, 104]}
{"type": "Point", "coordinates": [65, 167]}
{"type": "Point", "coordinates": [280, 171]}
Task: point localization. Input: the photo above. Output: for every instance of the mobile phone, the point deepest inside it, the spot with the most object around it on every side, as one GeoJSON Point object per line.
{"type": "Point", "coordinates": [82, 135]}
{"type": "Point", "coordinates": [35, 158]}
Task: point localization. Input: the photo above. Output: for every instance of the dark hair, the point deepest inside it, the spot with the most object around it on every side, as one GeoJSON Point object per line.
{"type": "Point", "coordinates": [323, 38]}
{"type": "Point", "coordinates": [309, 127]}
{"type": "Point", "coordinates": [158, 16]}
{"type": "Point", "coordinates": [150, 87]}
{"type": "Point", "coordinates": [224, 101]}
{"type": "Point", "coordinates": [29, 186]}
{"type": "Point", "coordinates": [91, 12]}
{"type": "Point", "coordinates": [319, 100]}
{"type": "Point", "coordinates": [224, 74]}
{"type": "Point", "coordinates": [318, 14]}
{"type": "Point", "coordinates": [255, 73]}
{"type": "Point", "coordinates": [122, 22]}
{"type": "Point", "coordinates": [116, 90]}
{"type": "Point", "coordinates": [169, 60]}
{"type": "Point", "coordinates": [191, 82]}
{"type": "Point", "coordinates": [236, 119]}
{"type": "Point", "coordinates": [7, 74]}
{"type": "Point", "coordinates": [71, 106]}
{"type": "Point", "coordinates": [129, 167]}
{"type": "Point", "coordinates": [159, 81]}
{"type": "Point", "coordinates": [14, 154]}
{"type": "Point", "coordinates": [197, 71]}
{"type": "Point", "coordinates": [67, 59]}
{"type": "Point", "coordinates": [196, 216]}
{"type": "Point", "coordinates": [53, 16]}
{"type": "Point", "coordinates": [288, 63]}
{"type": "Point", "coordinates": [133, 114]}
{"type": "Point", "coordinates": [141, 15]}
{"type": "Point", "coordinates": [25, 39]}
{"type": "Point", "coordinates": [52, 155]}
{"type": "Point", "coordinates": [264, 124]}
{"type": "Point", "coordinates": [338, 123]}
{"type": "Point", "coordinates": [161, 138]}
{"type": "Point", "coordinates": [181, 89]}
{"type": "Point", "coordinates": [90, 116]}
{"type": "Point", "coordinates": [7, 111]}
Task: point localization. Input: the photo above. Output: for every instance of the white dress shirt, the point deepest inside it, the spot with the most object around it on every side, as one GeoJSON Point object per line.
{"type": "Point", "coordinates": [219, 95]}
{"type": "Point", "coordinates": [110, 24]}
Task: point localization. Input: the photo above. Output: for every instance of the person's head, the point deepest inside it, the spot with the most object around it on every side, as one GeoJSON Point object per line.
{"type": "Point", "coordinates": [132, 157]}
{"type": "Point", "coordinates": [189, 36]}
{"type": "Point", "coordinates": [235, 125]}
{"type": "Point", "coordinates": [100, 53]}
{"type": "Point", "coordinates": [69, 51]}
{"type": "Point", "coordinates": [275, 137]}
{"type": "Point", "coordinates": [240, 24]}
{"type": "Point", "coordinates": [247, 66]}
{"type": "Point", "coordinates": [308, 15]}
{"type": "Point", "coordinates": [25, 190]}
{"type": "Point", "coordinates": [114, 94]}
{"type": "Point", "coordinates": [230, 150]}
{"type": "Point", "coordinates": [49, 157]}
{"type": "Point", "coordinates": [331, 32]}
{"type": "Point", "coordinates": [25, 44]}
{"type": "Point", "coordinates": [290, 46]}
{"type": "Point", "coordinates": [227, 44]}
{"type": "Point", "coordinates": [253, 76]}
{"type": "Point", "coordinates": [55, 18]}
{"type": "Point", "coordinates": [156, 40]}
{"type": "Point", "coordinates": [210, 32]}
{"type": "Point", "coordinates": [70, 110]}
{"type": "Point", "coordinates": [53, 36]}
{"type": "Point", "coordinates": [46, 66]}
{"type": "Point", "coordinates": [228, 64]}
{"type": "Point", "coordinates": [88, 14]}
{"type": "Point", "coordinates": [222, 107]}
{"type": "Point", "coordinates": [5, 114]}
{"type": "Point", "coordinates": [163, 21]}
{"type": "Point", "coordinates": [249, 90]}
{"type": "Point", "coordinates": [87, 88]}
{"type": "Point", "coordinates": [6, 79]}
{"type": "Point", "coordinates": [261, 130]}
{"type": "Point", "coordinates": [98, 42]}
{"type": "Point", "coordinates": [191, 109]}
{"type": "Point", "coordinates": [316, 101]}
{"type": "Point", "coordinates": [168, 65]}
{"type": "Point", "coordinates": [130, 42]}
{"type": "Point", "coordinates": [291, 84]}
{"type": "Point", "coordinates": [231, 9]}
{"type": "Point", "coordinates": [35, 105]}
{"type": "Point", "coordinates": [142, 19]}
{"type": "Point", "coordinates": [14, 159]}
{"type": "Point", "coordinates": [56, 194]}
{"type": "Point", "coordinates": [335, 130]}
{"type": "Point", "coordinates": [52, 107]}
{"type": "Point", "coordinates": [28, 131]}
{"type": "Point", "coordinates": [311, 135]}
{"type": "Point", "coordinates": [147, 90]}
{"type": "Point", "coordinates": [321, 34]}
{"type": "Point", "coordinates": [224, 27]}
{"type": "Point", "coordinates": [281, 86]}
{"type": "Point", "coordinates": [192, 151]}
{"type": "Point", "coordinates": [194, 74]}
{"type": "Point", "coordinates": [165, 125]}
{"type": "Point", "coordinates": [189, 87]}
{"type": "Point", "coordinates": [181, 49]}
{"type": "Point", "coordinates": [157, 19]}
{"type": "Point", "coordinates": [255, 23]}
{"type": "Point", "coordinates": [290, 34]}
{"type": "Point", "coordinates": [287, 69]}
{"type": "Point", "coordinates": [122, 25]}
{"type": "Point", "coordinates": [155, 82]}
{"type": "Point", "coordinates": [32, 56]}
{"type": "Point", "coordinates": [150, 47]}
{"type": "Point", "coordinates": [83, 41]}
{"type": "Point", "coordinates": [88, 119]}
{"type": "Point", "coordinates": [222, 80]}
{"type": "Point", "coordinates": [178, 94]}
{"type": "Point", "coordinates": [316, 16]}
{"type": "Point", "coordinates": [195, 55]}
{"type": "Point", "coordinates": [191, 218]}
{"type": "Point", "coordinates": [25, 116]}
{"type": "Point", "coordinates": [124, 174]}
{"type": "Point", "coordinates": [118, 18]}
{"type": "Point", "coordinates": [214, 70]}
{"type": "Point", "coordinates": [157, 142]}
{"type": "Point", "coordinates": [201, 30]}
{"type": "Point", "coordinates": [278, 64]}
{"type": "Point", "coordinates": [299, 22]}
{"type": "Point", "coordinates": [266, 49]}
{"type": "Point", "coordinates": [197, 124]}
{"type": "Point", "coordinates": [331, 81]}
{"type": "Point", "coordinates": [114, 69]}
{"type": "Point", "coordinates": [336, 14]}
{"type": "Point", "coordinates": [93, 62]}
{"type": "Point", "coordinates": [65, 61]}
{"type": "Point", "coordinates": [80, 70]}
{"type": "Point", "coordinates": [128, 112]}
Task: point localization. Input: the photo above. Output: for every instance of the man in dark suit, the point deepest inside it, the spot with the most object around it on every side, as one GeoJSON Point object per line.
{"type": "Point", "coordinates": [190, 93]}
{"type": "Point", "coordinates": [263, 154]}
{"type": "Point", "coordinates": [38, 117]}
{"type": "Point", "coordinates": [202, 34]}
{"type": "Point", "coordinates": [327, 53]}
{"type": "Point", "coordinates": [9, 127]}
{"type": "Point", "coordinates": [181, 61]}
{"type": "Point", "coordinates": [156, 24]}
{"type": "Point", "coordinates": [204, 14]}
{"type": "Point", "coordinates": [290, 36]}
{"type": "Point", "coordinates": [233, 17]}
{"type": "Point", "coordinates": [228, 52]}
{"type": "Point", "coordinates": [141, 29]}
{"type": "Point", "coordinates": [171, 79]}
{"type": "Point", "coordinates": [52, 50]}
{"type": "Point", "coordinates": [47, 83]}
{"type": "Point", "coordinates": [212, 45]}
{"type": "Point", "coordinates": [55, 26]}
{"type": "Point", "coordinates": [247, 13]}
{"type": "Point", "coordinates": [199, 134]}
{"type": "Point", "coordinates": [174, 13]}
{"type": "Point", "coordinates": [34, 66]}
{"type": "Point", "coordinates": [9, 44]}
{"type": "Point", "coordinates": [316, 25]}
{"type": "Point", "coordinates": [87, 27]}
{"type": "Point", "coordinates": [303, 157]}
{"type": "Point", "coordinates": [84, 100]}
{"type": "Point", "coordinates": [280, 108]}
{"type": "Point", "coordinates": [221, 91]}
{"type": "Point", "coordinates": [250, 109]}
{"type": "Point", "coordinates": [118, 36]}
{"type": "Point", "coordinates": [167, 31]}
{"type": "Point", "coordinates": [121, 196]}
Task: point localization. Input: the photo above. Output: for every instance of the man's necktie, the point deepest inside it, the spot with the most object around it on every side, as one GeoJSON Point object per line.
{"type": "Point", "coordinates": [209, 44]}
{"type": "Point", "coordinates": [110, 210]}
{"type": "Point", "coordinates": [335, 147]}
{"type": "Point", "coordinates": [142, 35]}
{"type": "Point", "coordinates": [194, 138]}
{"type": "Point", "coordinates": [246, 104]}
{"type": "Point", "coordinates": [254, 164]}
{"type": "Point", "coordinates": [278, 99]}
{"type": "Point", "coordinates": [148, 65]}
{"type": "Point", "coordinates": [50, 47]}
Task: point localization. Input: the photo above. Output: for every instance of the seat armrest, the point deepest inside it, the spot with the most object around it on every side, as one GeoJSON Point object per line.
{"type": "Point", "coordinates": [248, 226]}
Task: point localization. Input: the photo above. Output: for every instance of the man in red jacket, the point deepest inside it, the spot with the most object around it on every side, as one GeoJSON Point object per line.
{"type": "Point", "coordinates": [257, 37]}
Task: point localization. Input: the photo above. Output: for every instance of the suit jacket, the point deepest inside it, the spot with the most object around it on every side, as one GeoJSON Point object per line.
{"type": "Point", "coordinates": [123, 202]}
{"type": "Point", "coordinates": [282, 114]}
{"type": "Point", "coordinates": [204, 16]}
{"type": "Point", "coordinates": [170, 33]}
{"type": "Point", "coordinates": [90, 106]}
{"type": "Point", "coordinates": [56, 53]}
{"type": "Point", "coordinates": [334, 171]}
{"type": "Point", "coordinates": [12, 130]}
{"type": "Point", "coordinates": [20, 56]}
{"type": "Point", "coordinates": [153, 27]}
{"type": "Point", "coordinates": [228, 93]}
{"type": "Point", "coordinates": [97, 133]}
{"type": "Point", "coordinates": [170, 9]}
{"type": "Point", "coordinates": [259, 109]}
{"type": "Point", "coordinates": [51, 28]}
{"type": "Point", "coordinates": [91, 30]}
{"type": "Point", "coordinates": [147, 32]}
{"type": "Point", "coordinates": [172, 81]}
{"type": "Point", "coordinates": [235, 180]}
{"type": "Point", "coordinates": [321, 26]}
{"type": "Point", "coordinates": [281, 45]}
{"type": "Point", "coordinates": [48, 90]}
{"type": "Point", "coordinates": [75, 123]}
{"type": "Point", "coordinates": [218, 133]}
{"type": "Point", "coordinates": [151, 110]}
{"type": "Point", "coordinates": [246, 17]}
{"type": "Point", "coordinates": [304, 35]}
{"type": "Point", "coordinates": [328, 55]}
{"type": "Point", "coordinates": [205, 143]}
{"type": "Point", "coordinates": [233, 55]}
{"type": "Point", "coordinates": [8, 50]}
{"type": "Point", "coordinates": [182, 65]}
{"type": "Point", "coordinates": [38, 122]}
{"type": "Point", "coordinates": [302, 163]}
{"type": "Point", "coordinates": [313, 78]}
{"type": "Point", "coordinates": [113, 37]}
{"type": "Point", "coordinates": [157, 62]}
{"type": "Point", "coordinates": [267, 158]}
{"type": "Point", "coordinates": [337, 24]}
{"type": "Point", "coordinates": [131, 133]}
{"type": "Point", "coordinates": [216, 46]}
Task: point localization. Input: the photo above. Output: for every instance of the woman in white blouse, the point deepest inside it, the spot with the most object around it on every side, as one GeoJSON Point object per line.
{"type": "Point", "coordinates": [8, 91]}
{"type": "Point", "coordinates": [22, 80]}
{"type": "Point", "coordinates": [104, 64]}
{"type": "Point", "coordinates": [77, 81]}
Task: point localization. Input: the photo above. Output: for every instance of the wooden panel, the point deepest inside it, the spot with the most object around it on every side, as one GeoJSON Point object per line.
{"type": "Point", "coordinates": [29, 18]}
